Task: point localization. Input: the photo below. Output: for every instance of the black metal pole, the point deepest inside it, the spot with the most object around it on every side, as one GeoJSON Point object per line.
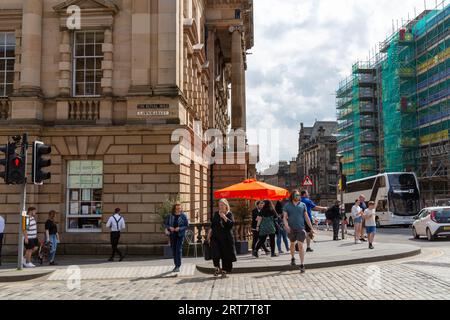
{"type": "Point", "coordinates": [211, 191]}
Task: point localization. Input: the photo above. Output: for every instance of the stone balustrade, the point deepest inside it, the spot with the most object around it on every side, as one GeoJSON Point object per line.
{"type": "Point", "coordinates": [87, 110]}
{"type": "Point", "coordinates": [241, 230]}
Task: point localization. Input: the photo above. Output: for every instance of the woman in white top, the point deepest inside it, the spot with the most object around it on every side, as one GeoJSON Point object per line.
{"type": "Point", "coordinates": [357, 219]}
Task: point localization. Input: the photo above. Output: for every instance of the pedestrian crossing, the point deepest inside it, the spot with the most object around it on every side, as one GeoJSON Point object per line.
{"type": "Point", "coordinates": [128, 272]}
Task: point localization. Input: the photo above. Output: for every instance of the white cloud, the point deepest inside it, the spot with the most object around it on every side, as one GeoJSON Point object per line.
{"type": "Point", "coordinates": [302, 50]}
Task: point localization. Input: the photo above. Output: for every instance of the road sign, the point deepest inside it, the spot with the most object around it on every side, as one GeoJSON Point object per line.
{"type": "Point", "coordinates": [307, 182]}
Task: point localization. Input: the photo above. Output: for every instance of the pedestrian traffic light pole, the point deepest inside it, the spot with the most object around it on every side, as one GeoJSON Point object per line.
{"type": "Point", "coordinates": [341, 194]}
{"type": "Point", "coordinates": [22, 204]}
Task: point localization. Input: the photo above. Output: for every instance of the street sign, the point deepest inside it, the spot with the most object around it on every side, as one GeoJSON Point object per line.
{"type": "Point", "coordinates": [307, 182]}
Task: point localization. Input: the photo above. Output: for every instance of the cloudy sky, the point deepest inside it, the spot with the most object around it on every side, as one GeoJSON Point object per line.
{"type": "Point", "coordinates": [303, 48]}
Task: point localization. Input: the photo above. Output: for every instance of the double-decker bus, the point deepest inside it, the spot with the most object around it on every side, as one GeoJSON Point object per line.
{"type": "Point", "coordinates": [396, 196]}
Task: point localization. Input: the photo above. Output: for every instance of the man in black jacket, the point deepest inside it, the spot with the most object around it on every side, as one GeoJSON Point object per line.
{"type": "Point", "coordinates": [255, 213]}
{"type": "Point", "coordinates": [334, 215]}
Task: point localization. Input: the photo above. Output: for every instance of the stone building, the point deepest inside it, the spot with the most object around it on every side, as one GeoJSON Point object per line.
{"type": "Point", "coordinates": [108, 96]}
{"type": "Point", "coordinates": [283, 175]}
{"type": "Point", "coordinates": [317, 159]}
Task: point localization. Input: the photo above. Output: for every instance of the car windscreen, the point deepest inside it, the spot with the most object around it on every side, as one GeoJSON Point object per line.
{"type": "Point", "coordinates": [442, 215]}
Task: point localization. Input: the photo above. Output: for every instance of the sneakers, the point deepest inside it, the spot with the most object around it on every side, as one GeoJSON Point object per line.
{"type": "Point", "coordinates": [302, 268]}
{"type": "Point", "coordinates": [371, 246]}
{"type": "Point", "coordinates": [255, 254]}
{"type": "Point", "coordinates": [53, 263]}
{"type": "Point", "coordinates": [309, 250]}
{"type": "Point", "coordinates": [358, 242]}
{"type": "Point", "coordinates": [29, 265]}
{"type": "Point", "coordinates": [274, 255]}
{"type": "Point", "coordinates": [293, 262]}
{"type": "Point", "coordinates": [363, 240]}
{"type": "Point", "coordinates": [176, 269]}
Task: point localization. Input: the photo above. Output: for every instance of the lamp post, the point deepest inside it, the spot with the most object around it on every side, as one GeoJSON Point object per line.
{"type": "Point", "coordinates": [341, 192]}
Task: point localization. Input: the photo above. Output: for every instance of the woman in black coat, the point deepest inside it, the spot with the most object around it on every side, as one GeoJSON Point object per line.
{"type": "Point", "coordinates": [221, 239]}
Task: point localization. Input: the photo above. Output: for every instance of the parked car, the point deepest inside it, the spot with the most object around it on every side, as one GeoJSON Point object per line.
{"type": "Point", "coordinates": [432, 222]}
{"type": "Point", "coordinates": [319, 218]}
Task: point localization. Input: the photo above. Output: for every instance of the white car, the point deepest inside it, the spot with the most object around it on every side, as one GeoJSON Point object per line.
{"type": "Point", "coordinates": [432, 222]}
{"type": "Point", "coordinates": [319, 218]}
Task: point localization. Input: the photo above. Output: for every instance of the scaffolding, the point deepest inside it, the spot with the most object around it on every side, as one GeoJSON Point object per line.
{"type": "Point", "coordinates": [433, 83]}
{"type": "Point", "coordinates": [357, 123]}
{"type": "Point", "coordinates": [399, 103]}
{"type": "Point", "coordinates": [393, 110]}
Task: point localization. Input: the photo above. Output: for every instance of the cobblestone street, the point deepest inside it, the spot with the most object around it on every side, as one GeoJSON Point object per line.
{"type": "Point", "coordinates": [422, 278]}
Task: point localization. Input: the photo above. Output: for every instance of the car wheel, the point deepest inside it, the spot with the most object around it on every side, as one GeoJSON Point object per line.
{"type": "Point", "coordinates": [430, 237]}
{"type": "Point", "coordinates": [416, 236]}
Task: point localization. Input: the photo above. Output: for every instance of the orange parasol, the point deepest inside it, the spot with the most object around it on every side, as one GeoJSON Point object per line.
{"type": "Point", "coordinates": [252, 189]}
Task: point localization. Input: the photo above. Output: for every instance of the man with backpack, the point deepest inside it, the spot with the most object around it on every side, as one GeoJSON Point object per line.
{"type": "Point", "coordinates": [333, 214]}
{"type": "Point", "coordinates": [116, 223]}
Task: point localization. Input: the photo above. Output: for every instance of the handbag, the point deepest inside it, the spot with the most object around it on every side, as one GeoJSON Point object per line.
{"type": "Point", "coordinates": [207, 251]}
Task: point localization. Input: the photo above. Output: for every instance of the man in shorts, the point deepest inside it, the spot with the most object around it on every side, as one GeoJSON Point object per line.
{"type": "Point", "coordinates": [30, 238]}
{"type": "Point", "coordinates": [310, 205]}
{"type": "Point", "coordinates": [295, 217]}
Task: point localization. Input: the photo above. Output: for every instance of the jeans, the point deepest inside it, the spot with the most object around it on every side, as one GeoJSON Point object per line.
{"type": "Point", "coordinates": [176, 243]}
{"type": "Point", "coordinates": [282, 235]}
{"type": "Point", "coordinates": [336, 228]}
{"type": "Point", "coordinates": [115, 237]}
{"type": "Point", "coordinates": [54, 241]}
{"type": "Point", "coordinates": [1, 244]}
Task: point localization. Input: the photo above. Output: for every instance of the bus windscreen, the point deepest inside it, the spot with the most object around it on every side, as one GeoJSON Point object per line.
{"type": "Point", "coordinates": [403, 194]}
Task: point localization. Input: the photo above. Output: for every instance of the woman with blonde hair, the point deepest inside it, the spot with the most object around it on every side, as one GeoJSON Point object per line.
{"type": "Point", "coordinates": [221, 239]}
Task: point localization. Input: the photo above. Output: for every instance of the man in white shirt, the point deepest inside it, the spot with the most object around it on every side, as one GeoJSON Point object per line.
{"type": "Point", "coordinates": [2, 230]}
{"type": "Point", "coordinates": [30, 237]}
{"type": "Point", "coordinates": [116, 223]}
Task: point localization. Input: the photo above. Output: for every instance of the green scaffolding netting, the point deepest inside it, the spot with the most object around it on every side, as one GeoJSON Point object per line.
{"type": "Point", "coordinates": [399, 105]}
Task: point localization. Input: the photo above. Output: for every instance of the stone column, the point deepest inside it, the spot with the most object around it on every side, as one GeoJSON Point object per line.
{"type": "Point", "coordinates": [237, 66]}
{"type": "Point", "coordinates": [26, 103]}
{"type": "Point", "coordinates": [107, 63]}
{"type": "Point", "coordinates": [244, 98]}
{"type": "Point", "coordinates": [212, 80]}
{"type": "Point", "coordinates": [30, 79]}
{"type": "Point", "coordinates": [106, 105]}
{"type": "Point", "coordinates": [64, 64]}
{"type": "Point", "coordinates": [140, 46]}
{"type": "Point", "coordinates": [18, 35]}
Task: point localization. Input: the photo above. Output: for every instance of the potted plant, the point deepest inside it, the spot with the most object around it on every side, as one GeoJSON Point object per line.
{"type": "Point", "coordinates": [242, 217]}
{"type": "Point", "coordinates": [164, 211]}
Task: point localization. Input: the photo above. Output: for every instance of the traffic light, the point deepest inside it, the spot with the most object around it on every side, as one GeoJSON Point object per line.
{"type": "Point", "coordinates": [14, 165]}
{"type": "Point", "coordinates": [4, 162]}
{"type": "Point", "coordinates": [39, 150]}
{"type": "Point", "coordinates": [16, 169]}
